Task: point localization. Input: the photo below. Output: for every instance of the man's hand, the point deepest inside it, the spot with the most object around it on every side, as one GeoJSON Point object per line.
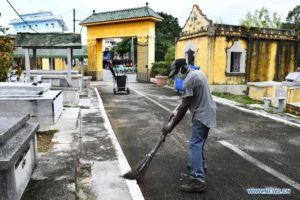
{"type": "Point", "coordinates": [166, 129]}
{"type": "Point", "coordinates": [176, 115]}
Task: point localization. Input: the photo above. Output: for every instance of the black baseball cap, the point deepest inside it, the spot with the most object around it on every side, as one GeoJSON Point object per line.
{"type": "Point", "coordinates": [175, 66]}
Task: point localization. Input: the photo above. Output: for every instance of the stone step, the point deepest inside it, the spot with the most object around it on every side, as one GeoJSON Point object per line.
{"type": "Point", "coordinates": [13, 148]}
{"type": "Point", "coordinates": [11, 123]}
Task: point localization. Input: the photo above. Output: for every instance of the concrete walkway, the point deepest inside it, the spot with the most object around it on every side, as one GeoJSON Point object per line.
{"type": "Point", "coordinates": [85, 160]}
{"type": "Point", "coordinates": [101, 160]}
{"type": "Point", "coordinates": [55, 174]}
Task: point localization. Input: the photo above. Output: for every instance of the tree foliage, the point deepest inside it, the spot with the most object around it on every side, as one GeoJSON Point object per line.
{"type": "Point", "coordinates": [6, 58]}
{"type": "Point", "coordinates": [3, 30]}
{"type": "Point", "coordinates": [170, 55]}
{"type": "Point", "coordinates": [165, 33]}
{"type": "Point", "coordinates": [293, 20]}
{"type": "Point", "coordinates": [160, 68]}
{"type": "Point", "coordinates": [123, 47]}
{"type": "Point", "coordinates": [261, 19]}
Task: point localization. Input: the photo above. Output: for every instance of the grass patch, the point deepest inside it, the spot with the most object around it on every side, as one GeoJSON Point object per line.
{"type": "Point", "coordinates": [44, 140]}
{"type": "Point", "coordinates": [243, 99]}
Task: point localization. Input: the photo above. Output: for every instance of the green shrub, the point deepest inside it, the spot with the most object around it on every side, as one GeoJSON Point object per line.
{"type": "Point", "coordinates": [6, 59]}
{"type": "Point", "coordinates": [160, 68]}
{"type": "Point", "coordinates": [170, 55]}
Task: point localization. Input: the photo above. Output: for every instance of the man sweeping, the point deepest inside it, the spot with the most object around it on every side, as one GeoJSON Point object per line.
{"type": "Point", "coordinates": [198, 99]}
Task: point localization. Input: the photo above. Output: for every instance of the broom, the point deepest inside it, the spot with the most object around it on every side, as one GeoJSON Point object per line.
{"type": "Point", "coordinates": [139, 171]}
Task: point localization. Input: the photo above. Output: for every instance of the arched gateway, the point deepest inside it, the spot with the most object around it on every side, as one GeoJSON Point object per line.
{"type": "Point", "coordinates": [133, 22]}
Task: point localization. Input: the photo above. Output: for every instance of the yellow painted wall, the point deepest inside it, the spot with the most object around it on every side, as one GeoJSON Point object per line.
{"type": "Point", "coordinates": [142, 59]}
{"type": "Point", "coordinates": [144, 29]}
{"type": "Point", "coordinates": [99, 59]}
{"type": "Point", "coordinates": [220, 63]}
{"type": "Point", "coordinates": [293, 95]}
{"type": "Point", "coordinates": [201, 54]}
{"type": "Point", "coordinates": [258, 93]}
{"type": "Point", "coordinates": [260, 61]}
{"type": "Point", "coordinates": [212, 57]}
{"type": "Point", "coordinates": [179, 49]}
{"type": "Point", "coordinates": [271, 62]}
{"type": "Point", "coordinates": [124, 29]}
{"type": "Point", "coordinates": [288, 62]}
{"type": "Point", "coordinates": [92, 55]}
{"type": "Point", "coordinates": [45, 64]}
{"type": "Point", "coordinates": [193, 24]}
{"type": "Point", "coordinates": [266, 54]}
{"type": "Point", "coordinates": [60, 64]}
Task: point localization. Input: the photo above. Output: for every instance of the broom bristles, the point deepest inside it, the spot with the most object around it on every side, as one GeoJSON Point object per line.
{"type": "Point", "coordinates": [140, 169]}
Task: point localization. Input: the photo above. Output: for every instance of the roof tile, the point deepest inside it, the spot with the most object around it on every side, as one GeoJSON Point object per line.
{"type": "Point", "coordinates": [121, 15]}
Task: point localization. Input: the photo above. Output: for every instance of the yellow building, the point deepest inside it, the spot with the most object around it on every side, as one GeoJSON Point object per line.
{"type": "Point", "coordinates": [231, 56]}
{"type": "Point", "coordinates": [133, 22]}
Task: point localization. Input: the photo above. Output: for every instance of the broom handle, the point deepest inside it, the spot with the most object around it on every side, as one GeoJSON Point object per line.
{"type": "Point", "coordinates": [112, 71]}
{"type": "Point", "coordinates": [163, 136]}
{"type": "Point", "coordinates": [162, 140]}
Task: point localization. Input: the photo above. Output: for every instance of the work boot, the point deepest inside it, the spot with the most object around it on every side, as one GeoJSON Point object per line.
{"type": "Point", "coordinates": [189, 167]}
{"type": "Point", "coordinates": [193, 186]}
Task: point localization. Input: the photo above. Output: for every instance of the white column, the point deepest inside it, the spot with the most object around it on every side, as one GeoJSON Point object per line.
{"type": "Point", "coordinates": [69, 63]}
{"type": "Point", "coordinates": [27, 65]}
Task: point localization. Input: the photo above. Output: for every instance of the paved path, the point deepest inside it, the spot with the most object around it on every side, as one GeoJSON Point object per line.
{"type": "Point", "coordinates": [55, 174]}
{"type": "Point", "coordinates": [85, 160]}
{"type": "Point", "coordinates": [244, 151]}
{"type": "Point", "coordinates": [101, 161]}
{"type": "Point", "coordinates": [107, 76]}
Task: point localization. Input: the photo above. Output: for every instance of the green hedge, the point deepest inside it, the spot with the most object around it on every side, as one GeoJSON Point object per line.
{"type": "Point", "coordinates": [160, 68]}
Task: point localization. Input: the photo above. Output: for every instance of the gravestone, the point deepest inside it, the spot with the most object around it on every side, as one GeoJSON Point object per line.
{"type": "Point", "coordinates": [44, 105]}
{"type": "Point", "coordinates": [18, 154]}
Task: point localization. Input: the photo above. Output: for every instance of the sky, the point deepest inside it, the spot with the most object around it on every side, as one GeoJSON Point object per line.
{"type": "Point", "coordinates": [227, 12]}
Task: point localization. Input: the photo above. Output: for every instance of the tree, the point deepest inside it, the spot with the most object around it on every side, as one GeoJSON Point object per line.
{"type": "Point", "coordinates": [6, 58]}
{"type": "Point", "coordinates": [261, 19]}
{"type": "Point", "coordinates": [165, 33]}
{"type": "Point", "coordinates": [170, 55]}
{"type": "Point", "coordinates": [3, 30]}
{"type": "Point", "coordinates": [123, 47]}
{"type": "Point", "coordinates": [293, 20]}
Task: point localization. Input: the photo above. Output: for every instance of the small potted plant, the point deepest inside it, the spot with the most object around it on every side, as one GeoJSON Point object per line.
{"type": "Point", "coordinates": [160, 70]}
